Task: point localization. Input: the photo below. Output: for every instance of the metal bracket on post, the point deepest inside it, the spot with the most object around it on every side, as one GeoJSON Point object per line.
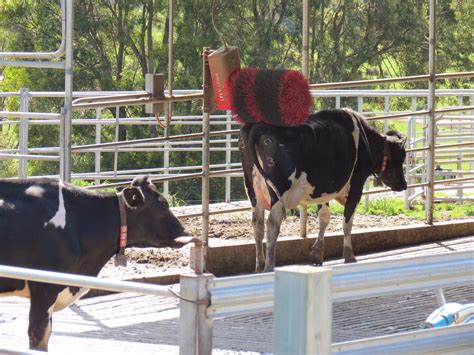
{"type": "Point", "coordinates": [302, 319]}
{"type": "Point", "coordinates": [155, 85]}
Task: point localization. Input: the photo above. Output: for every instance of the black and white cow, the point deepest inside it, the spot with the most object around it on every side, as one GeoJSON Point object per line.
{"type": "Point", "coordinates": [329, 157]}
{"type": "Point", "coordinates": [50, 225]}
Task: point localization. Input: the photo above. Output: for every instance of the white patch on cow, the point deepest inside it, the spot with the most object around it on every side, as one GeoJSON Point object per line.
{"type": "Point", "coordinates": [6, 205]}
{"type": "Point", "coordinates": [66, 298]}
{"type": "Point", "coordinates": [35, 191]}
{"type": "Point", "coordinates": [260, 188]}
{"type": "Point", "coordinates": [355, 132]}
{"type": "Point", "coordinates": [299, 191]}
{"type": "Point", "coordinates": [141, 192]}
{"type": "Point", "coordinates": [59, 219]}
{"type": "Point", "coordinates": [25, 292]}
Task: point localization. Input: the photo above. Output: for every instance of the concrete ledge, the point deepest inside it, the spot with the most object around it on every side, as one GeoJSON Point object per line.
{"type": "Point", "coordinates": [235, 259]}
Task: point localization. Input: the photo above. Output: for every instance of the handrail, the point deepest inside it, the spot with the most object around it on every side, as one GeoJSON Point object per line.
{"type": "Point", "coordinates": [358, 83]}
{"type": "Point", "coordinates": [244, 294]}
{"type": "Point", "coordinates": [83, 281]}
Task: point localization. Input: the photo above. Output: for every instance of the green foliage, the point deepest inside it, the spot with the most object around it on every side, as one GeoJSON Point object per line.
{"type": "Point", "coordinates": [396, 206]}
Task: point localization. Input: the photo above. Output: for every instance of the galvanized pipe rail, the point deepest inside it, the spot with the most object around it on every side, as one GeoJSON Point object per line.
{"type": "Point", "coordinates": [252, 293]}
{"type": "Point", "coordinates": [84, 281]}
{"type": "Point", "coordinates": [359, 83]}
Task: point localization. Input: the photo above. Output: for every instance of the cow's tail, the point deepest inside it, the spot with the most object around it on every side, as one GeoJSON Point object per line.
{"type": "Point", "coordinates": [254, 135]}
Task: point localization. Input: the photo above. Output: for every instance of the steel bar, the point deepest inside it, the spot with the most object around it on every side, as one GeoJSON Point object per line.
{"type": "Point", "coordinates": [66, 125]}
{"type": "Point", "coordinates": [359, 83]}
{"type": "Point", "coordinates": [152, 140]}
{"type": "Point", "coordinates": [451, 181]}
{"type": "Point", "coordinates": [440, 146]}
{"type": "Point", "coordinates": [39, 115]}
{"type": "Point", "coordinates": [110, 98]}
{"type": "Point", "coordinates": [456, 339]}
{"type": "Point", "coordinates": [205, 182]}
{"type": "Point", "coordinates": [212, 213]}
{"type": "Point", "coordinates": [33, 64]}
{"type": "Point", "coordinates": [398, 115]}
{"type": "Point", "coordinates": [136, 141]}
{"type": "Point", "coordinates": [29, 156]}
{"type": "Point", "coordinates": [83, 281]}
{"type": "Point", "coordinates": [454, 109]}
{"type": "Point", "coordinates": [431, 129]}
{"type": "Point", "coordinates": [138, 101]}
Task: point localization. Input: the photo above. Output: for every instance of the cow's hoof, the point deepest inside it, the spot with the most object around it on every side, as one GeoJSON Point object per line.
{"type": "Point", "coordinates": [348, 255]}
{"type": "Point", "coordinates": [317, 257]}
{"type": "Point", "coordinates": [259, 266]}
{"type": "Point", "coordinates": [269, 268]}
{"type": "Point", "coordinates": [350, 260]}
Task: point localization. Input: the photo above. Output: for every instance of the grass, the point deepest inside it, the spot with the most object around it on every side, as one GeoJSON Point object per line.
{"type": "Point", "coordinates": [396, 206]}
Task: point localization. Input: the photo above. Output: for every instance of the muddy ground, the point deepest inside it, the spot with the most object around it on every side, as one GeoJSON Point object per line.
{"type": "Point", "coordinates": [228, 229]}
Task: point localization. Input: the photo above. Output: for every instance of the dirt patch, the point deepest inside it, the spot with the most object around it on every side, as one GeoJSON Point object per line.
{"type": "Point", "coordinates": [226, 230]}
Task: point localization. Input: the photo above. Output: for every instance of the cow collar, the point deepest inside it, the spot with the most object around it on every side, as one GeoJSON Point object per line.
{"type": "Point", "coordinates": [120, 259]}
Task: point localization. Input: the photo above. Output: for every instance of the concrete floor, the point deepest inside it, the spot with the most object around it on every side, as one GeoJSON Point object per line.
{"type": "Point", "coordinates": [126, 323]}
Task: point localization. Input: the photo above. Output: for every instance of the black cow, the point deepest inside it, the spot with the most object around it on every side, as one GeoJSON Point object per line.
{"type": "Point", "coordinates": [51, 225]}
{"type": "Point", "coordinates": [329, 157]}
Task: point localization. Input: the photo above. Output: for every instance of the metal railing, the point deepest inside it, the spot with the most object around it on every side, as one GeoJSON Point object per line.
{"type": "Point", "coordinates": [226, 141]}
{"type": "Point", "coordinates": [264, 292]}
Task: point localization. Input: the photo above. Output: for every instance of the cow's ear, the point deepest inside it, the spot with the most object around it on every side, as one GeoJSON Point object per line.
{"type": "Point", "coordinates": [133, 196]}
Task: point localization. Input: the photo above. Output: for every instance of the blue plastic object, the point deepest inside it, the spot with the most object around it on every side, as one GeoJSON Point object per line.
{"type": "Point", "coordinates": [450, 314]}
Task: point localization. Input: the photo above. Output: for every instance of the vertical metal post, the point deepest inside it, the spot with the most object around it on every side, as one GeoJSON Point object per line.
{"type": "Point", "coordinates": [360, 108]}
{"type": "Point", "coordinates": [205, 149]}
{"type": "Point", "coordinates": [305, 45]}
{"type": "Point", "coordinates": [431, 119]}
{"type": "Point", "coordinates": [472, 128]}
{"type": "Point", "coordinates": [117, 135]}
{"type": "Point", "coordinates": [338, 101]}
{"type": "Point", "coordinates": [228, 156]}
{"type": "Point", "coordinates": [195, 327]}
{"type": "Point", "coordinates": [305, 71]}
{"type": "Point", "coordinates": [302, 310]}
{"type": "Point", "coordinates": [23, 134]}
{"type": "Point", "coordinates": [169, 106]}
{"type": "Point", "coordinates": [411, 157]}
{"type": "Point", "coordinates": [66, 126]}
{"type": "Point", "coordinates": [460, 154]}
{"type": "Point", "coordinates": [98, 140]}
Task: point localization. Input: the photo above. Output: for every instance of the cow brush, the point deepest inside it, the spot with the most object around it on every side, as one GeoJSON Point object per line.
{"type": "Point", "coordinates": [278, 97]}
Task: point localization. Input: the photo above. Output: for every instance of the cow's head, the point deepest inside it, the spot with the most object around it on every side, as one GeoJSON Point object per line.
{"type": "Point", "coordinates": [393, 175]}
{"type": "Point", "coordinates": [151, 222]}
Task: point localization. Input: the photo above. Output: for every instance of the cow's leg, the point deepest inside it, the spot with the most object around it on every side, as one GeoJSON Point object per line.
{"type": "Point", "coordinates": [317, 250]}
{"type": "Point", "coordinates": [349, 210]}
{"type": "Point", "coordinates": [40, 325]}
{"type": "Point", "coordinates": [276, 216]}
{"type": "Point", "coordinates": [258, 223]}
{"type": "Point", "coordinates": [347, 252]}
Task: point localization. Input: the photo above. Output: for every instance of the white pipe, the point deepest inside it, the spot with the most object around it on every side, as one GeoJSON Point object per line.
{"type": "Point", "coordinates": [83, 281]}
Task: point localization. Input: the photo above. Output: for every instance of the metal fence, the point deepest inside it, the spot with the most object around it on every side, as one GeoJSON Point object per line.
{"type": "Point", "coordinates": [298, 293]}
{"type": "Point", "coordinates": [457, 130]}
